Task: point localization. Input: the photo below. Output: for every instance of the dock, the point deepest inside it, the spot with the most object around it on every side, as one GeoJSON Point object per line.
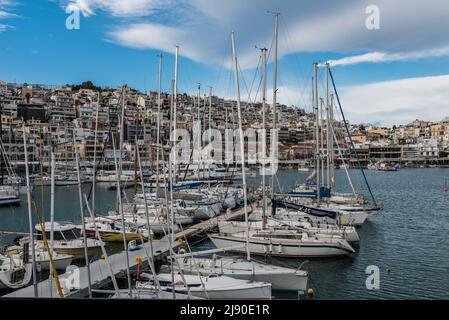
{"type": "Point", "coordinates": [209, 224]}
{"type": "Point", "coordinates": [75, 282]}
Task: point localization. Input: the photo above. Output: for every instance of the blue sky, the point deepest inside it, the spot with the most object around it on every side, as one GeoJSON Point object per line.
{"type": "Point", "coordinates": [389, 76]}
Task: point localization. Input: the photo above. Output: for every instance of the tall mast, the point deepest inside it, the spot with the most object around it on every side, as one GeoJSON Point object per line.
{"type": "Point", "coordinates": [198, 119]}
{"type": "Point", "coordinates": [120, 208]}
{"type": "Point", "coordinates": [322, 140]}
{"type": "Point", "coordinates": [30, 219]}
{"type": "Point", "coordinates": [121, 133]}
{"type": "Point", "coordinates": [317, 132]}
{"type": "Point", "coordinates": [175, 99]}
{"type": "Point", "coordinates": [158, 121]}
{"type": "Point", "coordinates": [328, 136]}
{"type": "Point", "coordinates": [210, 124]}
{"type": "Point", "coordinates": [264, 151]}
{"type": "Point", "coordinates": [83, 226]}
{"type": "Point", "coordinates": [275, 70]}
{"type": "Point", "coordinates": [242, 147]}
{"type": "Point", "coordinates": [332, 153]}
{"type": "Point", "coordinates": [52, 206]}
{"type": "Point", "coordinates": [95, 156]}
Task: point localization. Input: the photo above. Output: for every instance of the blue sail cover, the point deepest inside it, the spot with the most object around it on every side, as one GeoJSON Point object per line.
{"type": "Point", "coordinates": [185, 185]}
{"type": "Point", "coordinates": [306, 209]}
{"type": "Point", "coordinates": [324, 193]}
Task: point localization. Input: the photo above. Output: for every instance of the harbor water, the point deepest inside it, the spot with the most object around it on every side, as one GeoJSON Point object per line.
{"type": "Point", "coordinates": [407, 241]}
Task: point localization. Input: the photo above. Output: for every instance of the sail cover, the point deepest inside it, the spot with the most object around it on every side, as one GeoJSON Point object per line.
{"type": "Point", "coordinates": [317, 212]}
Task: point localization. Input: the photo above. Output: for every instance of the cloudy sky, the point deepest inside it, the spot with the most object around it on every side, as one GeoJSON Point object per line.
{"type": "Point", "coordinates": [390, 75]}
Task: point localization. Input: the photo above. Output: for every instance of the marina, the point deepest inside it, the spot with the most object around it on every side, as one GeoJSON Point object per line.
{"type": "Point", "coordinates": [344, 278]}
{"type": "Point", "coordinates": [279, 180]}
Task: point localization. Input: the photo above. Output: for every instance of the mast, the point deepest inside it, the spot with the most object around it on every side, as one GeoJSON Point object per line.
{"type": "Point", "coordinates": [332, 153]}
{"type": "Point", "coordinates": [121, 133]}
{"type": "Point", "coordinates": [242, 146]}
{"type": "Point", "coordinates": [120, 208]}
{"type": "Point", "coordinates": [322, 140]}
{"type": "Point", "coordinates": [275, 66]}
{"type": "Point", "coordinates": [264, 152]}
{"type": "Point", "coordinates": [2, 178]}
{"type": "Point", "coordinates": [158, 122]}
{"type": "Point", "coordinates": [175, 99]}
{"type": "Point", "coordinates": [95, 156]}
{"type": "Point", "coordinates": [30, 219]}
{"type": "Point", "coordinates": [328, 136]}
{"type": "Point", "coordinates": [317, 133]}
{"type": "Point", "coordinates": [150, 240]}
{"type": "Point", "coordinates": [83, 226]}
{"type": "Point", "coordinates": [198, 119]}
{"type": "Point", "coordinates": [210, 124]}
{"type": "Point", "coordinates": [52, 206]}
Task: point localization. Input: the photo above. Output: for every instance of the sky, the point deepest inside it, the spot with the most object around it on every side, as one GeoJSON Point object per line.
{"type": "Point", "coordinates": [390, 59]}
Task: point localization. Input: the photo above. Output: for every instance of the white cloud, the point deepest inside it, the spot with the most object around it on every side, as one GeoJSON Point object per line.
{"type": "Point", "coordinates": [399, 101]}
{"type": "Point", "coordinates": [376, 57]}
{"type": "Point", "coordinates": [4, 5]}
{"type": "Point", "coordinates": [410, 29]}
{"type": "Point", "coordinates": [118, 8]}
{"type": "Point", "coordinates": [4, 15]}
{"type": "Point", "coordinates": [386, 102]}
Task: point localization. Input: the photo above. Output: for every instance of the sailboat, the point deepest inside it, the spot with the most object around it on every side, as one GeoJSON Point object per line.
{"type": "Point", "coordinates": [111, 229]}
{"type": "Point", "coordinates": [281, 278]}
{"type": "Point", "coordinates": [208, 287]}
{"type": "Point", "coordinates": [15, 271]}
{"type": "Point", "coordinates": [9, 195]}
{"type": "Point", "coordinates": [67, 240]}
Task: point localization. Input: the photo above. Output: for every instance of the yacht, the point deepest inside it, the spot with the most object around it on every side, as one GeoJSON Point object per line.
{"type": "Point", "coordinates": [281, 278]}
{"type": "Point", "coordinates": [9, 195]}
{"type": "Point", "coordinates": [68, 240]}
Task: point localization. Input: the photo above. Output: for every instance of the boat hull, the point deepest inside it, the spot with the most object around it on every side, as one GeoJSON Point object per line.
{"type": "Point", "coordinates": [266, 248]}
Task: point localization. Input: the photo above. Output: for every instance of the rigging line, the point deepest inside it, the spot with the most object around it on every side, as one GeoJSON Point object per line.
{"type": "Point", "coordinates": [338, 134]}
{"type": "Point", "coordinates": [350, 139]}
{"type": "Point", "coordinates": [295, 58]}
{"type": "Point", "coordinates": [222, 65]}
{"type": "Point", "coordinates": [249, 102]}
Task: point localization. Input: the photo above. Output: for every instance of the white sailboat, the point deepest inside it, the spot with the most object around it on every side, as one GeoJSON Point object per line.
{"type": "Point", "coordinates": [208, 287]}
{"type": "Point", "coordinates": [9, 196]}
{"type": "Point", "coordinates": [61, 261]}
{"type": "Point", "coordinates": [14, 272]}
{"type": "Point", "coordinates": [285, 243]}
{"type": "Point", "coordinates": [67, 240]}
{"type": "Point", "coordinates": [281, 278]}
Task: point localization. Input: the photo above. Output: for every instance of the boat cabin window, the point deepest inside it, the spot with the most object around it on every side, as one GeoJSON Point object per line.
{"type": "Point", "coordinates": [71, 234]}
{"type": "Point", "coordinates": [57, 235]}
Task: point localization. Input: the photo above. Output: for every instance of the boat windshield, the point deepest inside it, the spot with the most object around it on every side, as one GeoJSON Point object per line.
{"type": "Point", "coordinates": [57, 235]}
{"type": "Point", "coordinates": [71, 234]}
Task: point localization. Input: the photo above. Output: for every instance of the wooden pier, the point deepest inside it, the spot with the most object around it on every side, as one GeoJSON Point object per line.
{"type": "Point", "coordinates": [209, 224]}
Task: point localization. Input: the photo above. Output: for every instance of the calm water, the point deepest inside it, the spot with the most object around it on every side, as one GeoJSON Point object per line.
{"type": "Point", "coordinates": [408, 241]}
